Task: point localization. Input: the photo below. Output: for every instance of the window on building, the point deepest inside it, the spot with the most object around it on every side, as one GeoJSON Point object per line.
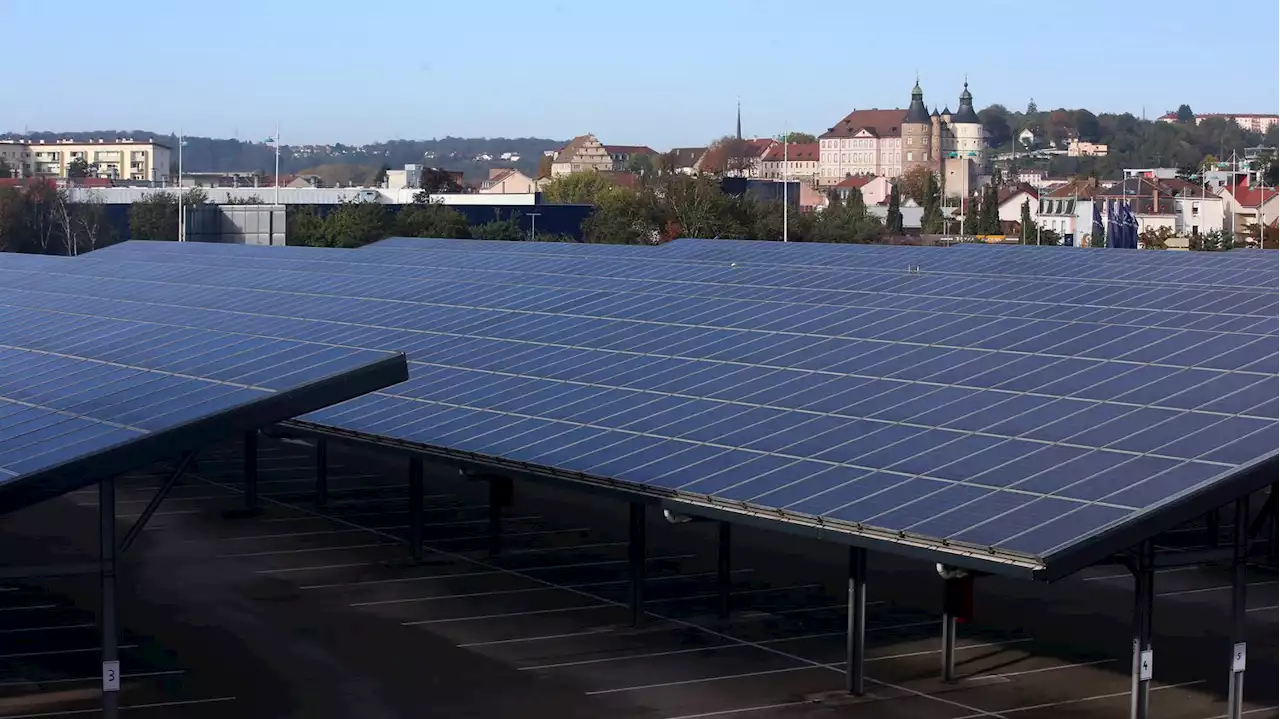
{"type": "Point", "coordinates": [909, 155]}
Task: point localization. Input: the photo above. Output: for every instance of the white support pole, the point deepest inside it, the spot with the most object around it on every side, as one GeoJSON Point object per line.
{"type": "Point", "coordinates": [277, 193]}
{"type": "Point", "coordinates": [785, 177]}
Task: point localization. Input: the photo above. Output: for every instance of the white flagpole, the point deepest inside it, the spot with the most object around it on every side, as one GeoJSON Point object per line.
{"type": "Point", "coordinates": [182, 210]}
{"type": "Point", "coordinates": [785, 175]}
{"type": "Point", "coordinates": [277, 163]}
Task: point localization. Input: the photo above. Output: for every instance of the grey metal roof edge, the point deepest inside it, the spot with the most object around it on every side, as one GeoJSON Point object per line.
{"type": "Point", "coordinates": [903, 544]}
{"type": "Point", "coordinates": [1175, 510]}
{"type": "Point", "coordinates": [134, 453]}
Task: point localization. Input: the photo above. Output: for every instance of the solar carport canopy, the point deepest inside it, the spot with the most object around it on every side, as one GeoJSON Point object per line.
{"type": "Point", "coordinates": [1024, 411]}
{"type": "Point", "coordinates": [85, 395]}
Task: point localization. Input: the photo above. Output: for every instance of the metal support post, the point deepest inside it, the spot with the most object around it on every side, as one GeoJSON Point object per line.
{"type": "Point", "coordinates": [1143, 658]}
{"type": "Point", "coordinates": [1212, 528]}
{"type": "Point", "coordinates": [251, 470]}
{"type": "Point", "coordinates": [1273, 539]}
{"type": "Point", "coordinates": [636, 558]}
{"type": "Point", "coordinates": [495, 515]}
{"type": "Point", "coordinates": [1239, 588]}
{"type": "Point", "coordinates": [948, 647]}
{"type": "Point", "coordinates": [322, 472]}
{"type": "Point", "coordinates": [857, 616]}
{"type": "Point", "coordinates": [415, 508]}
{"type": "Point", "coordinates": [188, 460]}
{"type": "Point", "coordinates": [724, 569]}
{"type": "Point", "coordinates": [107, 620]}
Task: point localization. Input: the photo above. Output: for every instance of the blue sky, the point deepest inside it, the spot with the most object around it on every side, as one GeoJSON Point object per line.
{"type": "Point", "coordinates": [659, 72]}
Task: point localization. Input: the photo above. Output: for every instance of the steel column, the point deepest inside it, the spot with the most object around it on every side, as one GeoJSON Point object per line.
{"type": "Point", "coordinates": [322, 472]}
{"type": "Point", "coordinates": [1143, 660]}
{"type": "Point", "coordinates": [251, 470]}
{"type": "Point", "coordinates": [495, 515]}
{"type": "Point", "coordinates": [636, 559]}
{"type": "Point", "coordinates": [1213, 528]}
{"type": "Point", "coordinates": [948, 648]}
{"type": "Point", "coordinates": [724, 569]}
{"type": "Point", "coordinates": [415, 508]}
{"type": "Point", "coordinates": [857, 617]}
{"type": "Point", "coordinates": [1239, 588]}
{"type": "Point", "coordinates": [107, 620]}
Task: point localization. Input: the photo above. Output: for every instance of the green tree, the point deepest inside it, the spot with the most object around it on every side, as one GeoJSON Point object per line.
{"type": "Point", "coordinates": [305, 226]}
{"type": "Point", "coordinates": [355, 224]}
{"type": "Point", "coordinates": [431, 219]}
{"type": "Point", "coordinates": [893, 218]}
{"type": "Point", "coordinates": [249, 200]}
{"type": "Point", "coordinates": [583, 188]}
{"type": "Point", "coordinates": [78, 168]}
{"type": "Point", "coordinates": [499, 228]}
{"type": "Point", "coordinates": [915, 183]}
{"type": "Point", "coordinates": [1027, 224]}
{"type": "Point", "coordinates": [1185, 115]}
{"type": "Point", "coordinates": [800, 138]}
{"type": "Point", "coordinates": [5, 170]}
{"type": "Point", "coordinates": [640, 164]}
{"type": "Point", "coordinates": [436, 181]}
{"type": "Point", "coordinates": [856, 204]}
{"type": "Point", "coordinates": [973, 218]}
{"type": "Point", "coordinates": [154, 217]}
{"type": "Point", "coordinates": [380, 176]}
{"type": "Point", "coordinates": [995, 122]}
{"type": "Point", "coordinates": [990, 210]}
{"type": "Point", "coordinates": [932, 223]}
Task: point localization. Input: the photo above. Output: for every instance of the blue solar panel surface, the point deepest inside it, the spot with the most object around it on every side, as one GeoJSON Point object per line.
{"type": "Point", "coordinates": [75, 384]}
{"type": "Point", "coordinates": [1005, 404]}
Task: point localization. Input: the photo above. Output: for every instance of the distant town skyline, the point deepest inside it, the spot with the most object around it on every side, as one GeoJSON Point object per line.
{"type": "Point", "coordinates": [667, 75]}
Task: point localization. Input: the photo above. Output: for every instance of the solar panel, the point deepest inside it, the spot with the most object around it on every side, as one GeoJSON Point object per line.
{"type": "Point", "coordinates": [84, 396]}
{"type": "Point", "coordinates": [999, 420]}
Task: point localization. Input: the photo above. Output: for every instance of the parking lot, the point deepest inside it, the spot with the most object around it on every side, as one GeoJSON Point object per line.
{"type": "Point", "coordinates": [219, 599]}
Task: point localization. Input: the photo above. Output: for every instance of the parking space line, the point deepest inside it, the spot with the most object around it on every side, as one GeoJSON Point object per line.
{"type": "Point", "coordinates": [543, 550]}
{"type": "Point", "coordinates": [454, 508]}
{"type": "Point", "coordinates": [25, 607]}
{"type": "Point", "coordinates": [349, 530]}
{"type": "Point", "coordinates": [1006, 675]}
{"type": "Point", "coordinates": [1127, 575]}
{"type": "Point", "coordinates": [747, 710]}
{"type": "Point", "coordinates": [508, 535]}
{"type": "Point", "coordinates": [842, 633]}
{"type": "Point", "coordinates": [713, 595]}
{"type": "Point", "coordinates": [530, 613]}
{"type": "Point", "coordinates": [1202, 590]}
{"type": "Point", "coordinates": [683, 682]}
{"type": "Point", "coordinates": [71, 680]}
{"type": "Point", "coordinates": [55, 627]}
{"type": "Point", "coordinates": [693, 650]}
{"type": "Point", "coordinates": [430, 577]}
{"type": "Point", "coordinates": [540, 588]}
{"type": "Point", "coordinates": [1246, 712]}
{"type": "Point", "coordinates": [56, 652]}
{"type": "Point", "coordinates": [542, 638]}
{"type": "Point", "coordinates": [308, 550]}
{"type": "Point", "coordinates": [316, 568]}
{"type": "Point", "coordinates": [96, 710]}
{"type": "Point", "coordinates": [1065, 702]}
{"type": "Point", "coordinates": [619, 604]}
{"type": "Point", "coordinates": [1271, 608]}
{"type": "Point", "coordinates": [161, 513]}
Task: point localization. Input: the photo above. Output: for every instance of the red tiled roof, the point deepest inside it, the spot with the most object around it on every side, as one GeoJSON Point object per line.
{"type": "Point", "coordinates": [760, 145]}
{"type": "Point", "coordinates": [1008, 192]}
{"type": "Point", "coordinates": [1083, 189]}
{"type": "Point", "coordinates": [629, 150]}
{"type": "Point", "coordinates": [1250, 196]}
{"type": "Point", "coordinates": [856, 181]}
{"type": "Point", "coordinates": [806, 152]}
{"type": "Point", "coordinates": [881, 123]}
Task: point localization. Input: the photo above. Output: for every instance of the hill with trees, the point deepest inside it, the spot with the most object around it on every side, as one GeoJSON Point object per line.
{"type": "Point", "coordinates": [207, 154]}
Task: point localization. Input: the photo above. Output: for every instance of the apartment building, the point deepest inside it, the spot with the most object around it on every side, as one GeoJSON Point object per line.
{"type": "Point", "coordinates": [119, 159]}
{"type": "Point", "coordinates": [1250, 121]}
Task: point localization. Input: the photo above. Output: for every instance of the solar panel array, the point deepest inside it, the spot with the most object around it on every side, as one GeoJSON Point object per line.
{"type": "Point", "coordinates": [1007, 405]}
{"type": "Point", "coordinates": [74, 385]}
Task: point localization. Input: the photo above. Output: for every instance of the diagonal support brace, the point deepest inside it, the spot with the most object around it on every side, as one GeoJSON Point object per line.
{"type": "Point", "coordinates": [187, 459]}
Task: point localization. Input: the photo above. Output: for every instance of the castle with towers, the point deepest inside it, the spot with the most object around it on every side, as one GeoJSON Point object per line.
{"type": "Point", "coordinates": [890, 142]}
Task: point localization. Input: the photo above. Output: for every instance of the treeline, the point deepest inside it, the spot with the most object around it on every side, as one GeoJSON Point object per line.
{"type": "Point", "coordinates": [207, 154]}
{"type": "Point", "coordinates": [355, 224]}
{"type": "Point", "coordinates": [1131, 141]}
{"type": "Point", "coordinates": [660, 209]}
{"type": "Point", "coordinates": [39, 218]}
